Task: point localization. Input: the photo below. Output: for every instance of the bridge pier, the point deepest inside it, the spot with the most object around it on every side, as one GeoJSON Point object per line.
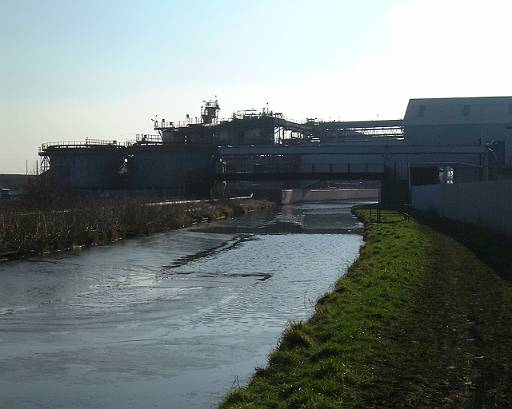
{"type": "Point", "coordinates": [394, 191]}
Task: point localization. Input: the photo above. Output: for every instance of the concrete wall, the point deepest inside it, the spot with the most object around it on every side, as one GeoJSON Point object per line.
{"type": "Point", "coordinates": [483, 203]}
{"type": "Point", "coordinates": [298, 195]}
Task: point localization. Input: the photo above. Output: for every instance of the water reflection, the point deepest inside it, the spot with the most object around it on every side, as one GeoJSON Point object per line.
{"type": "Point", "coordinates": [170, 320]}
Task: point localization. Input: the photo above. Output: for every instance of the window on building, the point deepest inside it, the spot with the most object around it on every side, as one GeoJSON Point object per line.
{"type": "Point", "coordinates": [421, 110]}
{"type": "Point", "coordinates": [466, 110]}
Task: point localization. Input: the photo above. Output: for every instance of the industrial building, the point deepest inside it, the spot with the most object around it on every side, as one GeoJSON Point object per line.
{"type": "Point", "coordinates": [450, 140]}
{"type": "Point", "coordinates": [462, 122]}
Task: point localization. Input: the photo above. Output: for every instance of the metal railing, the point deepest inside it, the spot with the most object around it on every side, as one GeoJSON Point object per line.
{"type": "Point", "coordinates": [89, 142]}
{"type": "Point", "coordinates": [181, 124]}
{"type": "Point", "coordinates": [159, 124]}
{"type": "Point", "coordinates": [148, 138]}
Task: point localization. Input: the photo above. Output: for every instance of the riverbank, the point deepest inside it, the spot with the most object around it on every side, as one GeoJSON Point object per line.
{"type": "Point", "coordinates": [492, 247]}
{"type": "Point", "coordinates": [418, 321]}
{"type": "Point", "coordinates": [194, 310]}
{"type": "Point", "coordinates": [29, 233]}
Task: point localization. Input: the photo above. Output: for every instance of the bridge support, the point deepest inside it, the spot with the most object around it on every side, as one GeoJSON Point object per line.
{"type": "Point", "coordinates": [394, 191]}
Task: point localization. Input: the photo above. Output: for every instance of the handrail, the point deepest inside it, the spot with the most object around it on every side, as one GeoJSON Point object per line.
{"type": "Point", "coordinates": [80, 144]}
{"type": "Point", "coordinates": [148, 138]}
{"type": "Point", "coordinates": [160, 124]}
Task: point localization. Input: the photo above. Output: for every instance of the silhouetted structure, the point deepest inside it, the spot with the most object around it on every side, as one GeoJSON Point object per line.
{"type": "Point", "coordinates": [448, 140]}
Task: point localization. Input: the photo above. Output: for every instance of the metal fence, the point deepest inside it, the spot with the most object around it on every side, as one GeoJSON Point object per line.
{"type": "Point", "coordinates": [482, 203]}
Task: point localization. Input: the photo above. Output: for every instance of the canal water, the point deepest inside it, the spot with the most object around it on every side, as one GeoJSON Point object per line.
{"type": "Point", "coordinates": [174, 320]}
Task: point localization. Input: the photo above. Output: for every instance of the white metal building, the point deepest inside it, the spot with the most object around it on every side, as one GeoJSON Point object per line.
{"type": "Point", "coordinates": [462, 122]}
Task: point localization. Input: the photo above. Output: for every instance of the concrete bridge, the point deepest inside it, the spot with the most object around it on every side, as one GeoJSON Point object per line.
{"type": "Point", "coordinates": [396, 164]}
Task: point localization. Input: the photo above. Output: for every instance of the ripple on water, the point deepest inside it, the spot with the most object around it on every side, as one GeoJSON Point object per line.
{"type": "Point", "coordinates": [113, 328]}
{"type": "Point", "coordinates": [284, 284]}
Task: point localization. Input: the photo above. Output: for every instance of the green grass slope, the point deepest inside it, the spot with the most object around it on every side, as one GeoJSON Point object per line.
{"type": "Point", "coordinates": [418, 321]}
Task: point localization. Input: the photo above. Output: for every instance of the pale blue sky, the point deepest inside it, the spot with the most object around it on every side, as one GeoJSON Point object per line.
{"type": "Point", "coordinates": [61, 49]}
{"type": "Point", "coordinates": [76, 69]}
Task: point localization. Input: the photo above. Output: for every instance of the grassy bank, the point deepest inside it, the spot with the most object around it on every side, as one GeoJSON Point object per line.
{"type": "Point", "coordinates": [418, 321]}
{"type": "Point", "coordinates": [34, 232]}
{"type": "Point", "coordinates": [492, 247]}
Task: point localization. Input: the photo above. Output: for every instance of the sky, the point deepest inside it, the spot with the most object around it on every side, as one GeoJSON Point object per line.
{"type": "Point", "coordinates": [102, 69]}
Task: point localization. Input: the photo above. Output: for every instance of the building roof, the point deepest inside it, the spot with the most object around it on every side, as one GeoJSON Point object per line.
{"type": "Point", "coordinates": [459, 111]}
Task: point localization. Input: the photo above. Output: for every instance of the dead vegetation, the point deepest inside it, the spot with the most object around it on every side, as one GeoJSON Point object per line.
{"type": "Point", "coordinates": [47, 219]}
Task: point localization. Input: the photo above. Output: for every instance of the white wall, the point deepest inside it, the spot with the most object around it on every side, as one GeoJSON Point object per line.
{"type": "Point", "coordinates": [484, 203]}
{"type": "Point", "coordinates": [299, 195]}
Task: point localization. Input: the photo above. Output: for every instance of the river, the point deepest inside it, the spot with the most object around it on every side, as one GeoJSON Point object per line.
{"type": "Point", "coordinates": [172, 320]}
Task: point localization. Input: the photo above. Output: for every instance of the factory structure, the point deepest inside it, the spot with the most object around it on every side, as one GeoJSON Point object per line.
{"type": "Point", "coordinates": [439, 140]}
